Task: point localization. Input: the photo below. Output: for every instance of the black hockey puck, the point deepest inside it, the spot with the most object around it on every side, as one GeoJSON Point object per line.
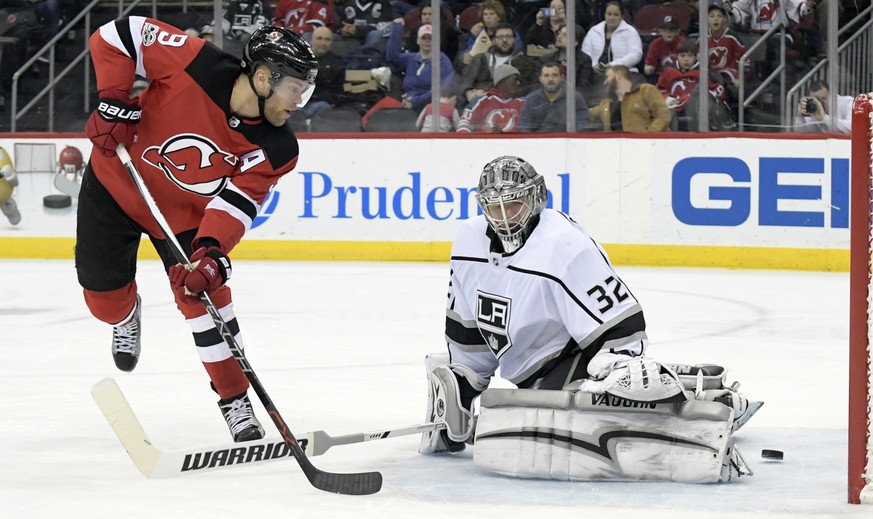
{"type": "Point", "coordinates": [57, 201]}
{"type": "Point", "coordinates": [770, 454]}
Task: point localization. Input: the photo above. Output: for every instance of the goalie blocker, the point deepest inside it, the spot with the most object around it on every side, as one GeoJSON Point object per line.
{"type": "Point", "coordinates": [579, 436]}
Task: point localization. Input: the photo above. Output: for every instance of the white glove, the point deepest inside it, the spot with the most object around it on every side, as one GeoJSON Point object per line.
{"type": "Point", "coordinates": [672, 102]}
{"type": "Point", "coordinates": [640, 379]}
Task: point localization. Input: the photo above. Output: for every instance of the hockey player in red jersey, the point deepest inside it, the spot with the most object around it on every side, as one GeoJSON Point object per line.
{"type": "Point", "coordinates": [210, 140]}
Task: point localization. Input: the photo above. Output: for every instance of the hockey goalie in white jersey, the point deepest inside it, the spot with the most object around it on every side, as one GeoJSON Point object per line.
{"type": "Point", "coordinates": [533, 294]}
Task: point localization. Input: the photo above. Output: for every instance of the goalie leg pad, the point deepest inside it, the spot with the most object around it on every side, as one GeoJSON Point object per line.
{"type": "Point", "coordinates": [578, 436]}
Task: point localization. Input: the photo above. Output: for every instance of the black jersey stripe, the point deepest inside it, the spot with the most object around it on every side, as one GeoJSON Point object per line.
{"type": "Point", "coordinates": [606, 260]}
{"type": "Point", "coordinates": [469, 258]}
{"type": "Point", "coordinates": [240, 202]}
{"type": "Point", "coordinates": [122, 27]}
{"type": "Point", "coordinates": [211, 337]}
{"type": "Point", "coordinates": [562, 285]}
{"type": "Point", "coordinates": [460, 334]}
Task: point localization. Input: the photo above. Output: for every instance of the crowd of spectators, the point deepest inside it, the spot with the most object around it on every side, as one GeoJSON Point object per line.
{"type": "Point", "coordinates": [503, 64]}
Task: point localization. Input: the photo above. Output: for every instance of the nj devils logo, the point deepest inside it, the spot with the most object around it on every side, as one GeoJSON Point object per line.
{"type": "Point", "coordinates": [193, 162]}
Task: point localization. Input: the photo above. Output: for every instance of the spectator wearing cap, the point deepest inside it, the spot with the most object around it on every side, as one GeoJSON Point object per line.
{"type": "Point", "coordinates": [613, 41]}
{"type": "Point", "coordinates": [499, 110]}
{"type": "Point", "coordinates": [725, 49]}
{"type": "Point", "coordinates": [662, 51]}
{"type": "Point", "coordinates": [416, 66]}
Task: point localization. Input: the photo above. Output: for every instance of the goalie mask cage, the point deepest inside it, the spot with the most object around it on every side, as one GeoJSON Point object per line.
{"type": "Point", "coordinates": [861, 306]}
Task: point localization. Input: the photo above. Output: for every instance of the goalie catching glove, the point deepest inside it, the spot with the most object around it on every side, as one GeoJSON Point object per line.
{"type": "Point", "coordinates": [209, 269]}
{"type": "Point", "coordinates": [114, 121]}
{"type": "Point", "coordinates": [640, 379]}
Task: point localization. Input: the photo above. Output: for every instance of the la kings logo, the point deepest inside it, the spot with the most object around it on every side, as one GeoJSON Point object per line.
{"type": "Point", "coordinates": [492, 316]}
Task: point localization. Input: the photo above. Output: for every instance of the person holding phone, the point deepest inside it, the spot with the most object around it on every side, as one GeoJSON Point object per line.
{"type": "Point", "coordinates": [545, 28]}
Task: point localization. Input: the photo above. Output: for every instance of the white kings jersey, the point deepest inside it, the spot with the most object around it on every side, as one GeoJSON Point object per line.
{"type": "Point", "coordinates": [557, 294]}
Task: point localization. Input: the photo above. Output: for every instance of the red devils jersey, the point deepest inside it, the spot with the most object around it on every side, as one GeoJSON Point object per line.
{"type": "Point", "coordinates": [680, 84]}
{"type": "Point", "coordinates": [302, 16]}
{"type": "Point", "coordinates": [205, 167]}
{"type": "Point", "coordinates": [724, 53]}
{"type": "Point", "coordinates": [492, 111]}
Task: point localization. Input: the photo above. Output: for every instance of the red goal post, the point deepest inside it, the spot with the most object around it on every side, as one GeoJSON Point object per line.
{"type": "Point", "coordinates": [861, 305]}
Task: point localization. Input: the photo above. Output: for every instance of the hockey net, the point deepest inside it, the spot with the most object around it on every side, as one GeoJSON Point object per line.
{"type": "Point", "coordinates": [861, 306]}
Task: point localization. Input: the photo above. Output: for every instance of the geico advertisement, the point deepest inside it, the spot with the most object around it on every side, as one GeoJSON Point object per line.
{"type": "Point", "coordinates": [728, 191]}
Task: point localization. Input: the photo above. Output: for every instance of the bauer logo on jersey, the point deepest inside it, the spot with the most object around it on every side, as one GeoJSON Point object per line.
{"type": "Point", "coordinates": [492, 317]}
{"type": "Point", "coordinates": [193, 162]}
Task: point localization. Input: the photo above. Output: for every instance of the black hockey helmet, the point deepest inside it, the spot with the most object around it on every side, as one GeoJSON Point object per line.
{"type": "Point", "coordinates": [283, 51]}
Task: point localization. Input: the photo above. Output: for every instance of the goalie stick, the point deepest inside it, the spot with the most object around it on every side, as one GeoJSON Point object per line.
{"type": "Point", "coordinates": [154, 463]}
{"type": "Point", "coordinates": [361, 483]}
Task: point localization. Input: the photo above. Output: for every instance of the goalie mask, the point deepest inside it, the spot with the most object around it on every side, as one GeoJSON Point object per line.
{"type": "Point", "coordinates": [284, 53]}
{"type": "Point", "coordinates": [511, 193]}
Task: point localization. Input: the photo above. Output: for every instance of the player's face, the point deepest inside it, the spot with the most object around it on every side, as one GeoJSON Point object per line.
{"type": "Point", "coordinates": [504, 40]}
{"type": "Point", "coordinates": [322, 41]}
{"type": "Point", "coordinates": [686, 60]}
{"type": "Point", "coordinates": [612, 16]}
{"type": "Point", "coordinates": [561, 38]}
{"type": "Point", "coordinates": [490, 18]}
{"type": "Point", "coordinates": [510, 216]}
{"type": "Point", "coordinates": [550, 78]}
{"type": "Point", "coordinates": [716, 20]}
{"type": "Point", "coordinates": [291, 93]}
{"type": "Point", "coordinates": [669, 34]}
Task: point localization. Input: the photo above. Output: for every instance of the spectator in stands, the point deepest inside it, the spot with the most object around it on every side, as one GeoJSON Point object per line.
{"type": "Point", "coordinates": [545, 28]}
{"type": "Point", "coordinates": [47, 12]}
{"type": "Point", "coordinates": [630, 105]}
{"type": "Point", "coordinates": [762, 15]}
{"type": "Point", "coordinates": [476, 73]}
{"type": "Point", "coordinates": [240, 20]}
{"type": "Point", "coordinates": [492, 14]}
{"type": "Point", "coordinates": [449, 118]}
{"type": "Point", "coordinates": [680, 86]}
{"type": "Point", "coordinates": [613, 41]}
{"type": "Point", "coordinates": [814, 115]}
{"type": "Point", "coordinates": [368, 23]}
{"type": "Point", "coordinates": [449, 33]}
{"type": "Point", "coordinates": [725, 49]}
{"type": "Point", "coordinates": [662, 51]}
{"type": "Point", "coordinates": [304, 16]}
{"type": "Point", "coordinates": [416, 65]}
{"type": "Point", "coordinates": [331, 74]}
{"type": "Point", "coordinates": [545, 110]}
{"type": "Point", "coordinates": [584, 69]}
{"type": "Point", "coordinates": [498, 111]}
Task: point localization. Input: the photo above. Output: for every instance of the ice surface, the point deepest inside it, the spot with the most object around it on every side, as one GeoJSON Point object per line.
{"type": "Point", "coordinates": [340, 346]}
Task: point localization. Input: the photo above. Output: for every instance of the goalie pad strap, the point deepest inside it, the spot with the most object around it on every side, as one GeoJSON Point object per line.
{"type": "Point", "coordinates": [580, 436]}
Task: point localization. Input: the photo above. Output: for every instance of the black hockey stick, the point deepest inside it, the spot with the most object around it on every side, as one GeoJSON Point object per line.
{"type": "Point", "coordinates": [362, 483]}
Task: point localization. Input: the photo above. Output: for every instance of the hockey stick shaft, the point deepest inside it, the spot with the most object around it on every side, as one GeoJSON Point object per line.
{"type": "Point", "coordinates": [317, 443]}
{"type": "Point", "coordinates": [352, 484]}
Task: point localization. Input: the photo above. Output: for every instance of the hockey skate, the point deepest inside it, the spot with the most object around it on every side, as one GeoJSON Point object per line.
{"type": "Point", "coordinates": [240, 418]}
{"type": "Point", "coordinates": [126, 336]}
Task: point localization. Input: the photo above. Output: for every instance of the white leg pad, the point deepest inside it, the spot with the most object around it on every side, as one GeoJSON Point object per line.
{"type": "Point", "coordinates": [577, 436]}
